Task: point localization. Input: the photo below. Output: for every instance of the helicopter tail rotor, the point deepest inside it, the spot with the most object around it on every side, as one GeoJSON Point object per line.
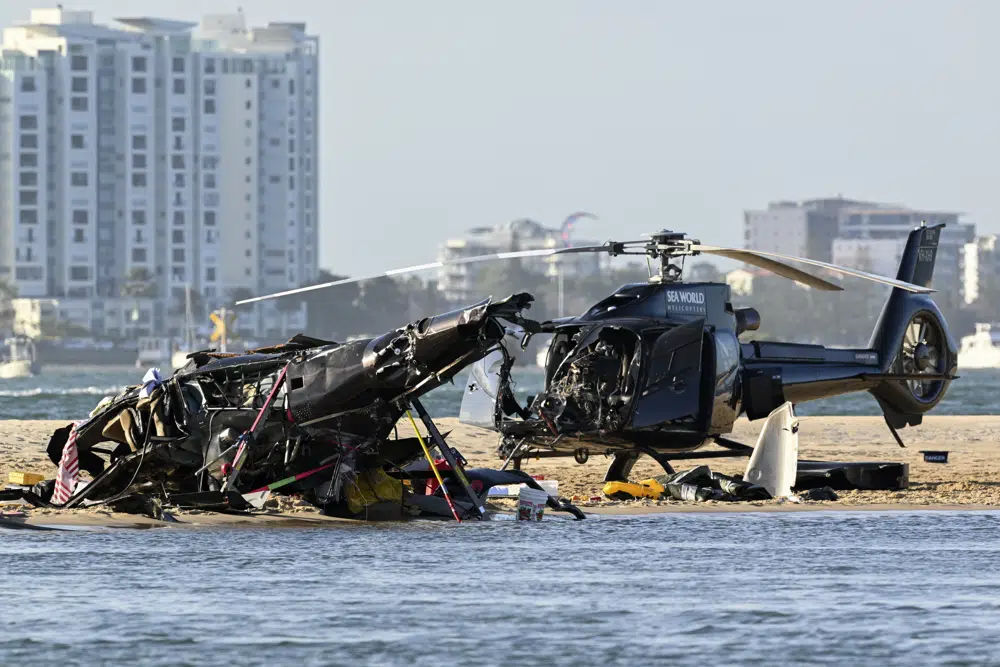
{"type": "Point", "coordinates": [917, 351]}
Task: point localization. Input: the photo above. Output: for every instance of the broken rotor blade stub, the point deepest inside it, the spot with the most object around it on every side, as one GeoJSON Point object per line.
{"type": "Point", "coordinates": [770, 261]}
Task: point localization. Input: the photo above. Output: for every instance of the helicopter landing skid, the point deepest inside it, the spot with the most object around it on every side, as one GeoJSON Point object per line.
{"type": "Point", "coordinates": [622, 462]}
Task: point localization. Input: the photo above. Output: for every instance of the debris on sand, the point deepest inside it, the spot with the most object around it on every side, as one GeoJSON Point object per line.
{"type": "Point", "coordinates": [701, 484]}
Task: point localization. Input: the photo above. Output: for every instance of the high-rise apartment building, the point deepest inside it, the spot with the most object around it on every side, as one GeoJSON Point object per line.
{"type": "Point", "coordinates": [799, 228]}
{"type": "Point", "coordinates": [859, 234]}
{"type": "Point", "coordinates": [140, 159]}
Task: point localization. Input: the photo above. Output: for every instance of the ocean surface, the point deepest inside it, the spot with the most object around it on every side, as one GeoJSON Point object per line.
{"type": "Point", "coordinates": [818, 588]}
{"type": "Point", "coordinates": [72, 392]}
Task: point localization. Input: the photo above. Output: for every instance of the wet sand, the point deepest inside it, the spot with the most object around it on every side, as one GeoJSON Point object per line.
{"type": "Point", "coordinates": [970, 480]}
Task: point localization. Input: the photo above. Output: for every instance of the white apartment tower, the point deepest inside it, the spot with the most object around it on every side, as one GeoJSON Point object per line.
{"type": "Point", "coordinates": [158, 151]}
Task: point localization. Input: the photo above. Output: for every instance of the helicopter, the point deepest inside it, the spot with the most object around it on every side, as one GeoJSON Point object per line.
{"type": "Point", "coordinates": [659, 368]}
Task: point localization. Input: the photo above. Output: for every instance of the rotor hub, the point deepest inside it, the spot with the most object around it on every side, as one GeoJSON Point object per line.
{"type": "Point", "coordinates": [922, 357]}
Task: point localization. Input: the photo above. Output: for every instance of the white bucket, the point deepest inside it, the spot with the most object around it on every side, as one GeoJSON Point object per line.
{"type": "Point", "coordinates": [551, 486]}
{"type": "Point", "coordinates": [531, 504]}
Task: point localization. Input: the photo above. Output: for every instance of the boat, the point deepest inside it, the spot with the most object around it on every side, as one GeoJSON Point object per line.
{"type": "Point", "coordinates": [153, 351]}
{"type": "Point", "coordinates": [981, 349]}
{"type": "Point", "coordinates": [21, 360]}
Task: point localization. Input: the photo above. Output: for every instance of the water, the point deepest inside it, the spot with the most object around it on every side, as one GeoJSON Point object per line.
{"type": "Point", "coordinates": [697, 589]}
{"type": "Point", "coordinates": [71, 393]}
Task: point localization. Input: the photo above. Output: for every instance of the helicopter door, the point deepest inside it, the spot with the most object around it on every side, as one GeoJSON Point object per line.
{"type": "Point", "coordinates": [671, 391]}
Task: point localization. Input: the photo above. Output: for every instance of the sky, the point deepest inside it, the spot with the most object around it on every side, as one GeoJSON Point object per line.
{"type": "Point", "coordinates": [441, 115]}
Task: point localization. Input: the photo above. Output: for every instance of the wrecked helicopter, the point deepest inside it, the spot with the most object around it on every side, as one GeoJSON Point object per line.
{"type": "Point", "coordinates": [309, 416]}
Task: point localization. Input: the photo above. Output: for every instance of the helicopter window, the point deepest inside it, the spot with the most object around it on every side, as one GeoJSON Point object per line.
{"type": "Point", "coordinates": [685, 359]}
{"type": "Point", "coordinates": [726, 352]}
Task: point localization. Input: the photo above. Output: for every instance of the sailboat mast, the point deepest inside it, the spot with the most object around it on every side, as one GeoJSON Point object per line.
{"type": "Point", "coordinates": [187, 317]}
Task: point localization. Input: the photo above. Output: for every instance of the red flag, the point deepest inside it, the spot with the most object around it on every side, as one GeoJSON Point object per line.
{"type": "Point", "coordinates": [69, 470]}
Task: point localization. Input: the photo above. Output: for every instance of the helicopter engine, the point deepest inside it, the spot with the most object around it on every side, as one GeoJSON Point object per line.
{"type": "Point", "coordinates": [591, 383]}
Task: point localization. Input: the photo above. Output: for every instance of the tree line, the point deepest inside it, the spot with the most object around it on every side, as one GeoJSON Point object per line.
{"type": "Point", "coordinates": [788, 312]}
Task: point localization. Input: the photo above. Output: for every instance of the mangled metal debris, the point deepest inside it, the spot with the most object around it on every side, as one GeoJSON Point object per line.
{"type": "Point", "coordinates": [310, 417]}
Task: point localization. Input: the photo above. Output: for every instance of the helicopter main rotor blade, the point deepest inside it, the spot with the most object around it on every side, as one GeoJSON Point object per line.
{"type": "Point", "coordinates": [774, 266]}
{"type": "Point", "coordinates": [611, 248]}
{"type": "Point", "coordinates": [767, 260]}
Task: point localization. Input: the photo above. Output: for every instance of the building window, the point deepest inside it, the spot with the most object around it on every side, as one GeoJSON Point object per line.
{"type": "Point", "coordinates": [177, 124]}
{"type": "Point", "coordinates": [179, 218]}
{"type": "Point", "coordinates": [249, 83]}
{"type": "Point", "coordinates": [80, 217]}
{"type": "Point", "coordinates": [139, 142]}
{"type": "Point", "coordinates": [139, 63]}
{"type": "Point", "coordinates": [138, 160]}
{"type": "Point", "coordinates": [291, 182]}
{"type": "Point", "coordinates": [29, 141]}
{"type": "Point", "coordinates": [139, 217]}
{"type": "Point", "coordinates": [275, 83]}
{"type": "Point", "coordinates": [179, 87]}
{"type": "Point", "coordinates": [177, 236]}
{"type": "Point", "coordinates": [28, 159]}
{"type": "Point", "coordinates": [29, 122]}
{"type": "Point", "coordinates": [79, 236]}
{"type": "Point", "coordinates": [138, 180]}
{"type": "Point", "coordinates": [138, 85]}
{"type": "Point", "coordinates": [291, 86]}
{"type": "Point", "coordinates": [179, 180]}
{"type": "Point", "coordinates": [28, 84]}
{"type": "Point", "coordinates": [78, 63]}
{"type": "Point", "coordinates": [210, 274]}
{"type": "Point", "coordinates": [177, 161]}
{"type": "Point", "coordinates": [78, 104]}
{"type": "Point", "coordinates": [29, 179]}
{"type": "Point", "coordinates": [274, 179]}
{"type": "Point", "coordinates": [76, 141]}
{"type": "Point", "coordinates": [78, 179]}
{"type": "Point", "coordinates": [178, 143]}
{"type": "Point", "coordinates": [178, 254]}
{"type": "Point", "coordinates": [79, 273]}
{"type": "Point", "coordinates": [210, 86]}
{"type": "Point", "coordinates": [178, 65]}
{"type": "Point", "coordinates": [209, 106]}
{"type": "Point", "coordinates": [249, 105]}
{"type": "Point", "coordinates": [209, 162]}
{"type": "Point", "coordinates": [209, 66]}
{"type": "Point", "coordinates": [138, 254]}
{"type": "Point", "coordinates": [209, 181]}
{"type": "Point", "coordinates": [29, 197]}
{"type": "Point", "coordinates": [28, 216]}
{"type": "Point", "coordinates": [79, 84]}
{"type": "Point", "coordinates": [209, 218]}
